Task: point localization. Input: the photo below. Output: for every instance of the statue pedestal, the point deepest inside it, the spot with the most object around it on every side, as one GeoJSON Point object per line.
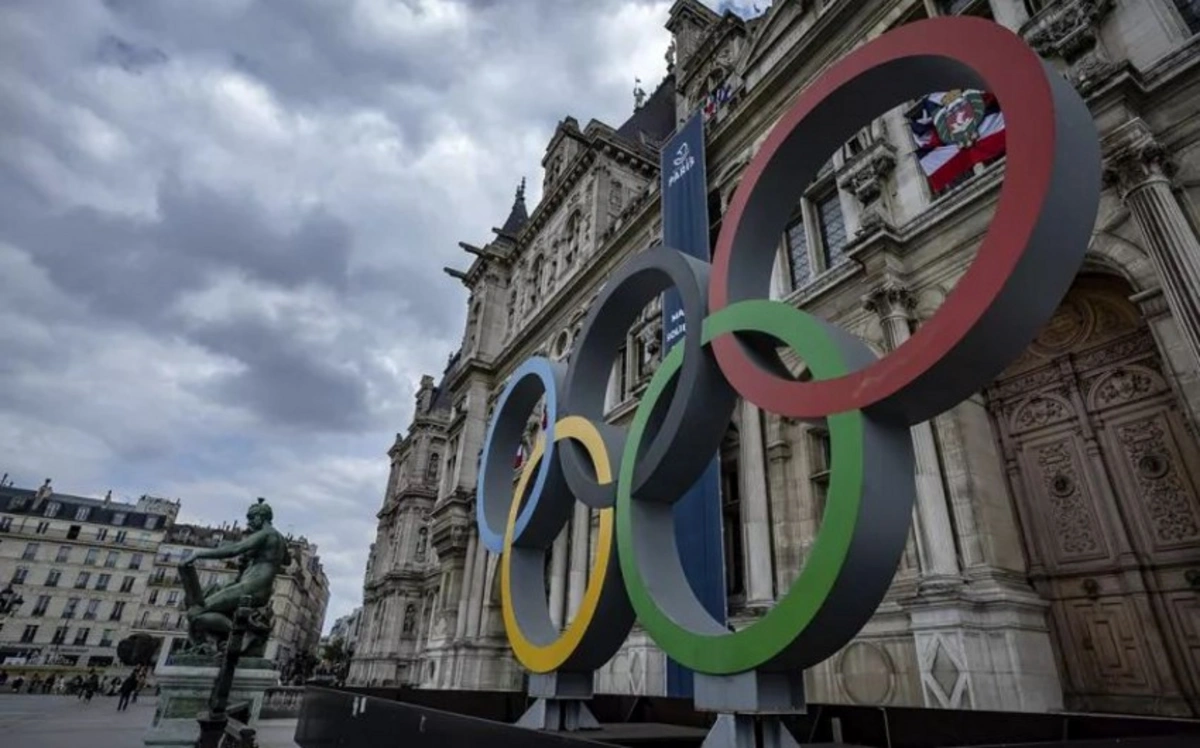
{"type": "Point", "coordinates": [183, 696]}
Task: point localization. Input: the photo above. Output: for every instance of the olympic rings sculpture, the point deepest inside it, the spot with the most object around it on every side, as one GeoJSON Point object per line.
{"type": "Point", "coordinates": [1023, 268]}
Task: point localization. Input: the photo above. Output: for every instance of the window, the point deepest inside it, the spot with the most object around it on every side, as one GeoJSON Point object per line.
{"type": "Point", "coordinates": [101, 533]}
{"type": "Point", "coordinates": [151, 522]}
{"type": "Point", "coordinates": [118, 518]}
{"type": "Point", "coordinates": [110, 561]}
{"type": "Point", "coordinates": [19, 575]}
{"type": "Point", "coordinates": [5, 524]}
{"type": "Point", "coordinates": [81, 637]}
{"type": "Point", "coordinates": [52, 509]}
{"type": "Point", "coordinates": [60, 635]}
{"type": "Point", "coordinates": [93, 555]}
{"type": "Point", "coordinates": [81, 514]}
{"type": "Point", "coordinates": [833, 230]}
{"type": "Point", "coordinates": [165, 619]}
{"type": "Point", "coordinates": [173, 597]}
{"type": "Point", "coordinates": [127, 584]}
{"type": "Point", "coordinates": [81, 581]}
{"type": "Point", "coordinates": [30, 553]}
{"type": "Point", "coordinates": [69, 608]}
{"type": "Point", "coordinates": [93, 607]}
{"type": "Point", "coordinates": [153, 600]}
{"type": "Point", "coordinates": [158, 576]}
{"type": "Point", "coordinates": [39, 608]}
{"type": "Point", "coordinates": [431, 470]}
{"type": "Point", "coordinates": [53, 577]}
{"type": "Point", "coordinates": [42, 527]}
{"type": "Point", "coordinates": [28, 634]}
{"type": "Point", "coordinates": [102, 582]}
{"type": "Point", "coordinates": [974, 7]}
{"type": "Point", "coordinates": [64, 553]}
{"type": "Point", "coordinates": [117, 611]}
{"type": "Point", "coordinates": [106, 638]}
{"type": "Point", "coordinates": [120, 538]}
{"type": "Point", "coordinates": [820, 451]}
{"type": "Point", "coordinates": [797, 249]}
{"type": "Point", "coordinates": [135, 561]}
{"type": "Point", "coordinates": [1190, 10]}
{"type": "Point", "coordinates": [73, 532]}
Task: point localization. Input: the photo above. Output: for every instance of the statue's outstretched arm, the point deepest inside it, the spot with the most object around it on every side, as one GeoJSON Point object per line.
{"type": "Point", "coordinates": [229, 550]}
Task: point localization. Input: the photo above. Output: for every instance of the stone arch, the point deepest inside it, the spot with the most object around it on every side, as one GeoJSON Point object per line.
{"type": "Point", "coordinates": [1116, 255]}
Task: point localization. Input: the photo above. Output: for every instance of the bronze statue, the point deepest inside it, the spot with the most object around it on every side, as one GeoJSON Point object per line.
{"type": "Point", "coordinates": [261, 554]}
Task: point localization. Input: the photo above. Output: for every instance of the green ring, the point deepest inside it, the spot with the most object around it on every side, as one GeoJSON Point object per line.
{"type": "Point", "coordinates": [722, 652]}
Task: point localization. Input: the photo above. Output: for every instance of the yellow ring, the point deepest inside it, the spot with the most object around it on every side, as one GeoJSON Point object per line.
{"type": "Point", "coordinates": [549, 657]}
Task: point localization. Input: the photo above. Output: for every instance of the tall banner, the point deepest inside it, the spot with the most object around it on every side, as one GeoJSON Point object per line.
{"type": "Point", "coordinates": [698, 513]}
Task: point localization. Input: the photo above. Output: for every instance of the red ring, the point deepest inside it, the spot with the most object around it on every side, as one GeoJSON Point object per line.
{"type": "Point", "coordinates": [1018, 79]}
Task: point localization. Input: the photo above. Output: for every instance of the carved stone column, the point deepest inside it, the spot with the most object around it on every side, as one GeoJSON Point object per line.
{"type": "Point", "coordinates": [893, 304]}
{"type": "Point", "coordinates": [1139, 167]}
{"type": "Point", "coordinates": [464, 589]}
{"type": "Point", "coordinates": [475, 591]}
{"type": "Point", "coordinates": [756, 516]}
{"type": "Point", "coordinates": [558, 579]}
{"type": "Point", "coordinates": [578, 574]}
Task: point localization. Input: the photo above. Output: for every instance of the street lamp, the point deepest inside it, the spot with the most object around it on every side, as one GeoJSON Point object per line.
{"type": "Point", "coordinates": [10, 600]}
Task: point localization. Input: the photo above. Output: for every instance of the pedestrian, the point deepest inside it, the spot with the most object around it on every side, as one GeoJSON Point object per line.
{"type": "Point", "coordinates": [17, 683]}
{"type": "Point", "coordinates": [128, 687]}
{"type": "Point", "coordinates": [90, 687]}
{"type": "Point", "coordinates": [48, 686]}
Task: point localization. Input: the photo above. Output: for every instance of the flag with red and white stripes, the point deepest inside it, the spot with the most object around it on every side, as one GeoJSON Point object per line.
{"type": "Point", "coordinates": [954, 130]}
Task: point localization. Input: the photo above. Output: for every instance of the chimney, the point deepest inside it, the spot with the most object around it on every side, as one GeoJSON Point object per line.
{"type": "Point", "coordinates": [108, 497]}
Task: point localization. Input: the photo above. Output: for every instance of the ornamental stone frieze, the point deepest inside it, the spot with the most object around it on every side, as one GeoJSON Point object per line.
{"type": "Point", "coordinates": [1069, 29]}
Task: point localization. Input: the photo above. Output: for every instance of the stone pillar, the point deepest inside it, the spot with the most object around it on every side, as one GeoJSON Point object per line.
{"type": "Point", "coordinates": [558, 578]}
{"type": "Point", "coordinates": [578, 574]}
{"type": "Point", "coordinates": [1140, 168]}
{"type": "Point", "coordinates": [475, 591]}
{"type": "Point", "coordinates": [893, 304]}
{"type": "Point", "coordinates": [460, 624]}
{"type": "Point", "coordinates": [756, 516]}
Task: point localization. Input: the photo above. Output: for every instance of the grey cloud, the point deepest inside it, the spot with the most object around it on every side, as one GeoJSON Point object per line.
{"type": "Point", "coordinates": [133, 202]}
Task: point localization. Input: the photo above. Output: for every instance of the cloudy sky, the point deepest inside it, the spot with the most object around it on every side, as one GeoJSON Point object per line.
{"type": "Point", "coordinates": [223, 223]}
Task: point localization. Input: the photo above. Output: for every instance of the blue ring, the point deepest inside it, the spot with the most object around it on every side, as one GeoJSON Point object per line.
{"type": "Point", "coordinates": [494, 490]}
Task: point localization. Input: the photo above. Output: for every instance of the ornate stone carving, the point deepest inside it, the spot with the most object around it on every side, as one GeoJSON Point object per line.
{"type": "Point", "coordinates": [1135, 157]}
{"type": "Point", "coordinates": [1039, 411]}
{"type": "Point", "coordinates": [1068, 28]}
{"type": "Point", "coordinates": [866, 173]}
{"type": "Point", "coordinates": [1122, 386]}
{"type": "Point", "coordinates": [1072, 525]}
{"type": "Point", "coordinates": [1167, 501]}
{"type": "Point", "coordinates": [890, 298]}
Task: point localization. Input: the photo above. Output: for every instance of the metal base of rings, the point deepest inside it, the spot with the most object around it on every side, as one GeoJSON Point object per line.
{"type": "Point", "coordinates": [749, 731]}
{"type": "Point", "coordinates": [750, 705]}
{"type": "Point", "coordinates": [561, 704]}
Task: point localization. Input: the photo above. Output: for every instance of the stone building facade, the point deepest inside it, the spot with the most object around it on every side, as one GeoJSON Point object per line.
{"type": "Point", "coordinates": [1055, 557]}
{"type": "Point", "coordinates": [299, 599]}
{"type": "Point", "coordinates": [81, 567]}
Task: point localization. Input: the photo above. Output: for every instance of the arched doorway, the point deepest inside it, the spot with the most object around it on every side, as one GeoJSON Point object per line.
{"type": "Point", "coordinates": [1104, 472]}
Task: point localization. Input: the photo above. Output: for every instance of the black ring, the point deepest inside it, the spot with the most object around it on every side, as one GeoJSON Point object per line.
{"type": "Point", "coordinates": [688, 431]}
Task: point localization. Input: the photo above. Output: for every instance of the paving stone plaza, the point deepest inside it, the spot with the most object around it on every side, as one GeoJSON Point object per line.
{"type": "Point", "coordinates": [66, 722]}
